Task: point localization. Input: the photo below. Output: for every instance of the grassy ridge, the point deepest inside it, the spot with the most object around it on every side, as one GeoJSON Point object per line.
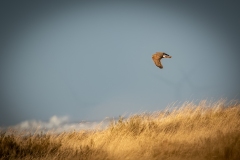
{"type": "Point", "coordinates": [204, 131]}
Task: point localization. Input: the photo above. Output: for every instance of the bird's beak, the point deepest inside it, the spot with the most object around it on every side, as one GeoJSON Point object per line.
{"type": "Point", "coordinates": [165, 56]}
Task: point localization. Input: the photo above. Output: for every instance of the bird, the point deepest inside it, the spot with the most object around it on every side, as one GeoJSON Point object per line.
{"type": "Point", "coordinates": [157, 58]}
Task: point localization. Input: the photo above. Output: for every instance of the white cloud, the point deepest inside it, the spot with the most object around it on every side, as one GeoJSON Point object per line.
{"type": "Point", "coordinates": [58, 124]}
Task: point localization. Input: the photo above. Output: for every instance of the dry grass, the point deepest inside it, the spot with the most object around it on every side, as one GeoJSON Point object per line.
{"type": "Point", "coordinates": [208, 131]}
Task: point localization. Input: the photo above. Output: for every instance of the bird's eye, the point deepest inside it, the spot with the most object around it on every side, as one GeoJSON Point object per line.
{"type": "Point", "coordinates": [165, 54]}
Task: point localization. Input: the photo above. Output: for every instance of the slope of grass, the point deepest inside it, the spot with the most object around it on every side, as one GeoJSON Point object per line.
{"type": "Point", "coordinates": [208, 131]}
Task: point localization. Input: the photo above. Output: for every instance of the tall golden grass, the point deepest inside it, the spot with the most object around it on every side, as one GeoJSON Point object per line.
{"type": "Point", "coordinates": [208, 131]}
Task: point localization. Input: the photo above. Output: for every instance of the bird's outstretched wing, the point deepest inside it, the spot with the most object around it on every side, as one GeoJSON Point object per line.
{"type": "Point", "coordinates": [157, 60]}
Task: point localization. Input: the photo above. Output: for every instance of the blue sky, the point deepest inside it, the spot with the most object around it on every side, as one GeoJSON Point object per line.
{"type": "Point", "coordinates": [91, 60]}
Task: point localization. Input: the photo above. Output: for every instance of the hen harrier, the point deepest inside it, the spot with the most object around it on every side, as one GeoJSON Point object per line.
{"type": "Point", "coordinates": [157, 58]}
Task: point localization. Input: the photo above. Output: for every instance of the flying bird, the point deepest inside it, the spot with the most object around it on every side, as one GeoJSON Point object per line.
{"type": "Point", "coordinates": [157, 58]}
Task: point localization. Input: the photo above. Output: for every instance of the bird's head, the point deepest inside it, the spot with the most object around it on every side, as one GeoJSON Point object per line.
{"type": "Point", "coordinates": [165, 55]}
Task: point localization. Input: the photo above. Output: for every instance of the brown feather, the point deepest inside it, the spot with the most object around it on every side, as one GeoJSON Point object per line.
{"type": "Point", "coordinates": [157, 59]}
